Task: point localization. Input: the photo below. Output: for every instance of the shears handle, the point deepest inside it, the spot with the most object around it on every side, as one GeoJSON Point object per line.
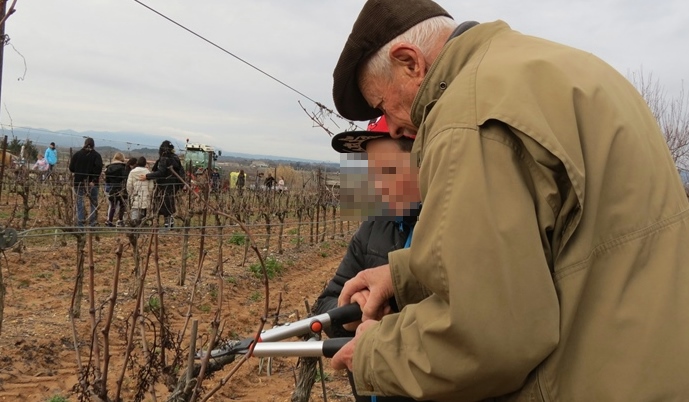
{"type": "Point", "coordinates": [269, 345]}
{"type": "Point", "coordinates": [326, 348]}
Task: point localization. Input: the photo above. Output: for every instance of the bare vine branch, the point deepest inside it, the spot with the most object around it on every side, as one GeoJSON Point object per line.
{"type": "Point", "coordinates": [9, 12]}
{"type": "Point", "coordinates": [322, 113]}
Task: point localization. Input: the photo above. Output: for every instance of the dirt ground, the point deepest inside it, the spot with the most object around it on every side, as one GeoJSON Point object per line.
{"type": "Point", "coordinates": [37, 357]}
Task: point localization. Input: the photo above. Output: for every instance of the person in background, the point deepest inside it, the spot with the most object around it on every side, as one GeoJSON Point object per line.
{"type": "Point", "coordinates": [41, 166]}
{"type": "Point", "coordinates": [241, 180]}
{"type": "Point", "coordinates": [269, 182]}
{"type": "Point", "coordinates": [140, 192]}
{"type": "Point", "coordinates": [535, 273]}
{"type": "Point", "coordinates": [131, 164]}
{"type": "Point", "coordinates": [87, 165]}
{"type": "Point", "coordinates": [215, 179]}
{"type": "Point", "coordinates": [167, 182]}
{"type": "Point", "coordinates": [115, 188]}
{"type": "Point", "coordinates": [51, 156]}
{"type": "Point", "coordinates": [396, 182]}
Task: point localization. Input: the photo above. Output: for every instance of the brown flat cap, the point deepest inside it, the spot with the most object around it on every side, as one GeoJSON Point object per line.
{"type": "Point", "coordinates": [379, 22]}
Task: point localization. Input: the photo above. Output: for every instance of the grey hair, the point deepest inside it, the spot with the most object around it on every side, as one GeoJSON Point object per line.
{"type": "Point", "coordinates": [424, 35]}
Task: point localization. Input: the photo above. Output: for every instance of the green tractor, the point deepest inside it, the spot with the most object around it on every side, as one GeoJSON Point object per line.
{"type": "Point", "coordinates": [198, 158]}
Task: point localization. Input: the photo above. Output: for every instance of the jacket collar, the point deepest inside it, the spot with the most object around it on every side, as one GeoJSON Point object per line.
{"type": "Point", "coordinates": [461, 28]}
{"type": "Point", "coordinates": [466, 41]}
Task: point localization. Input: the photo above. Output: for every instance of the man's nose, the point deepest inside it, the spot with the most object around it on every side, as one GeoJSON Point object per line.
{"type": "Point", "coordinates": [396, 132]}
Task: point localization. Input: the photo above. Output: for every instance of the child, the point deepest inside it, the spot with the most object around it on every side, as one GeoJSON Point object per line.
{"type": "Point", "coordinates": [396, 181]}
{"type": "Point", "coordinates": [42, 166]}
{"type": "Point", "coordinates": [140, 192]}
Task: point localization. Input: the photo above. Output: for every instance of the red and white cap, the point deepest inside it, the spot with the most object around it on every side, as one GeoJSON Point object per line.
{"type": "Point", "coordinates": [355, 141]}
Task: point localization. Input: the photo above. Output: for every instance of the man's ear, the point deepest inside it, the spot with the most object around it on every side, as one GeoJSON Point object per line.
{"type": "Point", "coordinates": [409, 58]}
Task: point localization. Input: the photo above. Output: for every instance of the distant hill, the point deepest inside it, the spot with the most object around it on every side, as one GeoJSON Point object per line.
{"type": "Point", "coordinates": [132, 144]}
{"type": "Point", "coordinates": [267, 157]}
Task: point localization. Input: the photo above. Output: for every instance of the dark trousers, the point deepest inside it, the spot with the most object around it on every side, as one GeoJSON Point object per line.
{"type": "Point", "coordinates": [165, 201]}
{"type": "Point", "coordinates": [116, 202]}
{"type": "Point", "coordinates": [81, 191]}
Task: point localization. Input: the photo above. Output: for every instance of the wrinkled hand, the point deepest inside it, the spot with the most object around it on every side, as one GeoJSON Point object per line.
{"type": "Point", "coordinates": [360, 299]}
{"type": "Point", "coordinates": [343, 358]}
{"type": "Point", "coordinates": [371, 289]}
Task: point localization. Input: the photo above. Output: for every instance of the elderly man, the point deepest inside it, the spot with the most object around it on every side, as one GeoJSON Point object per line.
{"type": "Point", "coordinates": [550, 259]}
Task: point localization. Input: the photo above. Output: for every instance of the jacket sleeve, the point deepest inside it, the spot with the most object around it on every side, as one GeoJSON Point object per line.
{"type": "Point", "coordinates": [408, 289]}
{"type": "Point", "coordinates": [97, 169]}
{"type": "Point", "coordinates": [123, 175]}
{"type": "Point", "coordinates": [493, 315]}
{"type": "Point", "coordinates": [108, 174]}
{"type": "Point", "coordinates": [161, 170]}
{"type": "Point", "coordinates": [130, 183]}
{"type": "Point", "coordinates": [352, 263]}
{"type": "Point", "coordinates": [72, 164]}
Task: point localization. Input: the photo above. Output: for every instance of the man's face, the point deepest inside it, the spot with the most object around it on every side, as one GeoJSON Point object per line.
{"type": "Point", "coordinates": [394, 175]}
{"type": "Point", "coordinates": [394, 97]}
{"type": "Point", "coordinates": [393, 91]}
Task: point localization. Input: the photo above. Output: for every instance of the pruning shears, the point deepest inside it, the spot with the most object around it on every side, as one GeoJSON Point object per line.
{"type": "Point", "coordinates": [268, 345]}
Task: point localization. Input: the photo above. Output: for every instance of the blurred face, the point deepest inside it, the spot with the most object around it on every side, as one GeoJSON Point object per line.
{"type": "Point", "coordinates": [394, 175]}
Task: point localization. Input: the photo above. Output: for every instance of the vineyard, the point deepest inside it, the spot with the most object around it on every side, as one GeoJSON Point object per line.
{"type": "Point", "coordinates": [109, 314]}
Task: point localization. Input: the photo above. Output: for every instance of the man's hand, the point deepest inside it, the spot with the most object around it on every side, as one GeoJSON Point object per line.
{"type": "Point", "coordinates": [343, 358]}
{"type": "Point", "coordinates": [142, 177]}
{"type": "Point", "coordinates": [371, 289]}
{"type": "Point", "coordinates": [360, 299]}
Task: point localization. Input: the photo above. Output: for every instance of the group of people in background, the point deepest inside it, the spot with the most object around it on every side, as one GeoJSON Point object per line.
{"type": "Point", "coordinates": [129, 185]}
{"type": "Point", "coordinates": [271, 183]}
{"type": "Point", "coordinates": [46, 162]}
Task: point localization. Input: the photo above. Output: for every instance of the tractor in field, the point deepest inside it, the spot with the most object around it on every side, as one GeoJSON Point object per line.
{"type": "Point", "coordinates": [199, 159]}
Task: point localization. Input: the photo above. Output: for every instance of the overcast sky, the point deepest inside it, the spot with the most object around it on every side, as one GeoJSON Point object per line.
{"type": "Point", "coordinates": [115, 66]}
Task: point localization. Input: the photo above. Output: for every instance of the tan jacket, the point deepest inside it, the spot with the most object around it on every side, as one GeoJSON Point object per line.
{"type": "Point", "coordinates": [140, 192]}
{"type": "Point", "coordinates": [551, 258]}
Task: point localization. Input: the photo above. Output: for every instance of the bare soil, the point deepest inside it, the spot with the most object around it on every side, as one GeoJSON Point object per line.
{"type": "Point", "coordinates": [37, 357]}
